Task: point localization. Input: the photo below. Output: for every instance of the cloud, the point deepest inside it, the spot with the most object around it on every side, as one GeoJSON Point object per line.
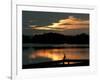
{"type": "Point", "coordinates": [73, 21]}
{"type": "Point", "coordinates": [69, 23]}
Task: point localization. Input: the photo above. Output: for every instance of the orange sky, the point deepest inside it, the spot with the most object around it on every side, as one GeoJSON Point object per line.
{"type": "Point", "coordinates": [64, 24]}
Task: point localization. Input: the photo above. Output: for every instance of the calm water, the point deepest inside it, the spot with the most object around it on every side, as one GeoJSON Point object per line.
{"type": "Point", "coordinates": [32, 55]}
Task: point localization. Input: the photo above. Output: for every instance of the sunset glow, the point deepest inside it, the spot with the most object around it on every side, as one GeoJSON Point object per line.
{"type": "Point", "coordinates": [64, 24]}
{"type": "Point", "coordinates": [58, 54]}
{"type": "Point", "coordinates": [55, 39]}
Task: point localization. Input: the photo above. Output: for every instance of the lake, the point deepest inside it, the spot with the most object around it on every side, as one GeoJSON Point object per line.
{"type": "Point", "coordinates": [35, 53]}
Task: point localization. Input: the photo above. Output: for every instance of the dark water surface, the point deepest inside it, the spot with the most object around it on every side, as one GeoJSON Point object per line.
{"type": "Point", "coordinates": [32, 55]}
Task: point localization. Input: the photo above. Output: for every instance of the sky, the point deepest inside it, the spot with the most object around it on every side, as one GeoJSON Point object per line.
{"type": "Point", "coordinates": [34, 22]}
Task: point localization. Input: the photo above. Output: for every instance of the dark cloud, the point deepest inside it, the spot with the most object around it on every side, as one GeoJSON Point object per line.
{"type": "Point", "coordinates": [47, 18]}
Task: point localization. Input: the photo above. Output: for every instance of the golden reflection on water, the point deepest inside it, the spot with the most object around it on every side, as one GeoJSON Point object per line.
{"type": "Point", "coordinates": [58, 54]}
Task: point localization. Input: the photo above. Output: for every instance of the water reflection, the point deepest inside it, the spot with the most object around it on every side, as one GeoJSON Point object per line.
{"type": "Point", "coordinates": [58, 53]}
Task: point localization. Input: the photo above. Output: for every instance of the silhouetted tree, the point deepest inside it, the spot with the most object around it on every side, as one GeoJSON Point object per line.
{"type": "Point", "coordinates": [55, 38]}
